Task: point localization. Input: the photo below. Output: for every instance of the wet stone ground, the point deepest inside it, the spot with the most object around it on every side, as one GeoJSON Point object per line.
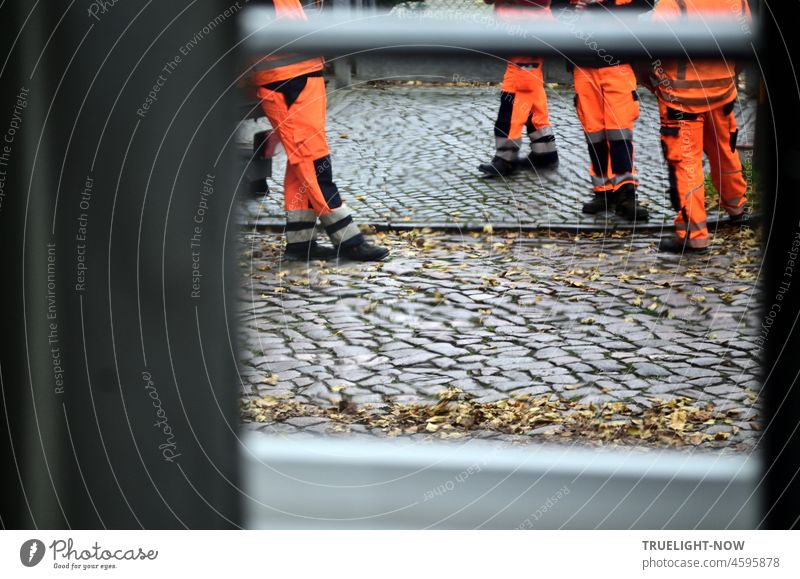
{"type": "Point", "coordinates": [588, 321]}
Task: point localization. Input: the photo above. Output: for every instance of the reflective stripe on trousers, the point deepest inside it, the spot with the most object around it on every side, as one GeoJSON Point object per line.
{"type": "Point", "coordinates": [507, 149]}
{"type": "Point", "coordinates": [543, 141]}
{"type": "Point", "coordinates": [300, 227]}
{"type": "Point", "coordinates": [340, 227]}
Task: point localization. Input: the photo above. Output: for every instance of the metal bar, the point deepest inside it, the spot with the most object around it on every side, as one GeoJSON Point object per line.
{"type": "Point", "coordinates": [465, 32]}
{"type": "Point", "coordinates": [779, 329]}
{"type": "Point", "coordinates": [361, 484]}
{"type": "Point", "coordinates": [119, 375]}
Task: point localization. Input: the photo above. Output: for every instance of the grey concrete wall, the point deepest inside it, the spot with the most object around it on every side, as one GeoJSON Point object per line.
{"type": "Point", "coordinates": [467, 69]}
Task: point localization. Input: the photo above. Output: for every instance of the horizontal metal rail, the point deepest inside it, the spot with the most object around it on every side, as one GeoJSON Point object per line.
{"type": "Point", "coordinates": [348, 32]}
{"type": "Point", "coordinates": [362, 484]}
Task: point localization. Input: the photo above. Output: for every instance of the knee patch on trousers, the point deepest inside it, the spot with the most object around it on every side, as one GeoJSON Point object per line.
{"type": "Point", "coordinates": [330, 191]}
{"type": "Point", "coordinates": [503, 124]}
{"type": "Point", "coordinates": [598, 153]}
{"type": "Point", "coordinates": [622, 156]}
{"type": "Point", "coordinates": [674, 198]}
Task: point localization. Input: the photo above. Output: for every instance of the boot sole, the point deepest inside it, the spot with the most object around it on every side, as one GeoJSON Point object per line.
{"type": "Point", "coordinates": [494, 173]}
{"type": "Point", "coordinates": [682, 249]}
{"type": "Point", "coordinates": [305, 258]}
{"type": "Point", "coordinates": [364, 259]}
{"type": "Point", "coordinates": [598, 212]}
{"type": "Point", "coordinates": [527, 165]}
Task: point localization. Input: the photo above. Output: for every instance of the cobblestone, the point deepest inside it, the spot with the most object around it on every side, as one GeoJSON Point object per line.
{"type": "Point", "coordinates": [408, 155]}
{"type": "Point", "coordinates": [554, 295]}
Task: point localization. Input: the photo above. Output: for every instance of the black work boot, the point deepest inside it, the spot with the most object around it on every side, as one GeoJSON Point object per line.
{"type": "Point", "coordinates": [541, 160]}
{"type": "Point", "coordinates": [602, 201]}
{"type": "Point", "coordinates": [363, 252]}
{"type": "Point", "coordinates": [627, 205]}
{"type": "Point", "coordinates": [498, 167]}
{"type": "Point", "coordinates": [744, 219]}
{"type": "Point", "coordinates": [675, 244]}
{"type": "Point", "coordinates": [310, 252]}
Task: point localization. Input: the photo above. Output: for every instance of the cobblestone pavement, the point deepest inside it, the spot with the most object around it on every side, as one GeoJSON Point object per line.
{"type": "Point", "coordinates": [588, 319]}
{"type": "Point", "coordinates": [408, 155]}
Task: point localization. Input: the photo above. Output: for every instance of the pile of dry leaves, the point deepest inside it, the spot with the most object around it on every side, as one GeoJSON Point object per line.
{"type": "Point", "coordinates": [666, 423]}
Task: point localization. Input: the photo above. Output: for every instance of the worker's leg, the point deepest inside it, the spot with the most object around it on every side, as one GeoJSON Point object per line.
{"type": "Point", "coordinates": [682, 143]}
{"type": "Point", "coordinates": [621, 110]}
{"type": "Point", "coordinates": [719, 142]}
{"type": "Point", "coordinates": [299, 119]}
{"type": "Point", "coordinates": [537, 124]}
{"type": "Point", "coordinates": [300, 218]}
{"type": "Point", "coordinates": [515, 107]}
{"type": "Point", "coordinates": [511, 116]}
{"type": "Point", "coordinates": [589, 106]}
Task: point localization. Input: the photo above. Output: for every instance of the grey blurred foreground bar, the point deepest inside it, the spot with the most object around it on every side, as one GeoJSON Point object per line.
{"type": "Point", "coordinates": [363, 484]}
{"type": "Point", "coordinates": [343, 32]}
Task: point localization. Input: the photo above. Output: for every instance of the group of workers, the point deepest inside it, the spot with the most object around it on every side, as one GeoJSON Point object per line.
{"type": "Point", "coordinates": [696, 100]}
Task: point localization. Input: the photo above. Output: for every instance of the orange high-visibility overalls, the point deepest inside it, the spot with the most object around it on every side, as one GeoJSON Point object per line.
{"type": "Point", "coordinates": [292, 93]}
{"type": "Point", "coordinates": [523, 101]}
{"type": "Point", "coordinates": [696, 102]}
{"type": "Point", "coordinates": [608, 106]}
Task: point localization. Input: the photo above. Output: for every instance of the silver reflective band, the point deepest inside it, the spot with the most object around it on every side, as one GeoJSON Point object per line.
{"type": "Point", "coordinates": [302, 236]}
{"type": "Point", "coordinates": [543, 132]}
{"type": "Point", "coordinates": [699, 84]}
{"type": "Point", "coordinates": [342, 235]}
{"type": "Point", "coordinates": [600, 181]}
{"type": "Point", "coordinates": [548, 147]}
{"type": "Point", "coordinates": [296, 215]}
{"type": "Point", "coordinates": [689, 194]}
{"type": "Point", "coordinates": [507, 149]}
{"type": "Point", "coordinates": [596, 137]}
{"type": "Point", "coordinates": [624, 177]}
{"type": "Point", "coordinates": [335, 215]}
{"type": "Point", "coordinates": [667, 95]}
{"type": "Point", "coordinates": [619, 134]}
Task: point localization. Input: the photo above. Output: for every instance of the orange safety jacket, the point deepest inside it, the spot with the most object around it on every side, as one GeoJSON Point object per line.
{"type": "Point", "coordinates": [512, 9]}
{"type": "Point", "coordinates": [697, 86]}
{"type": "Point", "coordinates": [277, 67]}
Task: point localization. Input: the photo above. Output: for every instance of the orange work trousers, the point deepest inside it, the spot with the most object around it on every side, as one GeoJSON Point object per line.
{"type": "Point", "coordinates": [684, 138]}
{"type": "Point", "coordinates": [608, 105]}
{"type": "Point", "coordinates": [296, 109]}
{"type": "Point", "coordinates": [523, 104]}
